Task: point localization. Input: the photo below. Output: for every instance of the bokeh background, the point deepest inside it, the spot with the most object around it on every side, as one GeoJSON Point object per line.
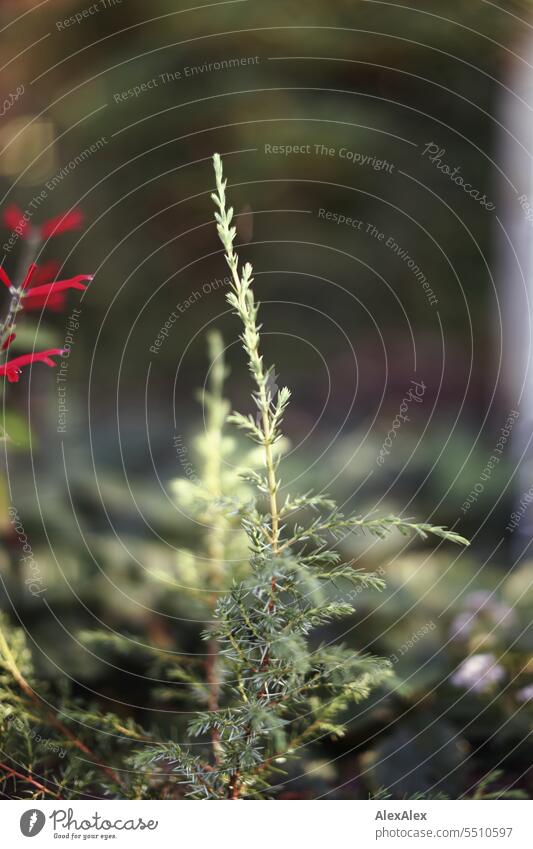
{"type": "Point", "coordinates": [121, 111]}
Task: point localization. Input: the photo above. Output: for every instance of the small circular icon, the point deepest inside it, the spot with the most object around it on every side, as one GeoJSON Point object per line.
{"type": "Point", "coordinates": [32, 822]}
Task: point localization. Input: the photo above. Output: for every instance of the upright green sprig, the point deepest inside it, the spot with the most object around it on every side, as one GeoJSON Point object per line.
{"type": "Point", "coordinates": [268, 433]}
{"type": "Point", "coordinates": [265, 429]}
{"type": "Point", "coordinates": [277, 690]}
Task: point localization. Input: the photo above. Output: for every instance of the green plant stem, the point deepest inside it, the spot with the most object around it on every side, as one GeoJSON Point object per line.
{"type": "Point", "coordinates": [216, 416]}
{"type": "Point", "coordinates": [255, 357]}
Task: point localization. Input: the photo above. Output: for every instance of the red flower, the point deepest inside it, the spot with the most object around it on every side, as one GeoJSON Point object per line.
{"type": "Point", "coordinates": [8, 341]}
{"type": "Point", "coordinates": [4, 278]}
{"type": "Point", "coordinates": [42, 294]}
{"type": "Point", "coordinates": [13, 368]}
{"type": "Point", "coordinates": [14, 219]}
{"type": "Point", "coordinates": [45, 274]}
{"type": "Point", "coordinates": [56, 302]}
{"type": "Point", "coordinates": [62, 223]}
{"type": "Point", "coordinates": [61, 285]}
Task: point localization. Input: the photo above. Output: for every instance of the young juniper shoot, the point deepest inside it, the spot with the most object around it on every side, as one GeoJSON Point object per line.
{"type": "Point", "coordinates": [272, 690]}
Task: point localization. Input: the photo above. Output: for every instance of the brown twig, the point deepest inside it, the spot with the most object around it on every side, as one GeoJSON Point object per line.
{"type": "Point", "coordinates": [234, 785]}
{"type": "Point", "coordinates": [213, 683]}
{"type": "Point", "coordinates": [12, 773]}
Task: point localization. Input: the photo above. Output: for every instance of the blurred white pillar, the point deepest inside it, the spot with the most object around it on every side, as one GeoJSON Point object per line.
{"type": "Point", "coordinates": [515, 275]}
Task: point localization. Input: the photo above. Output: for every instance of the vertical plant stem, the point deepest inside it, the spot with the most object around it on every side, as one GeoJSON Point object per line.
{"type": "Point", "coordinates": [216, 415]}
{"type": "Point", "coordinates": [271, 474]}
{"type": "Point", "coordinates": [32, 246]}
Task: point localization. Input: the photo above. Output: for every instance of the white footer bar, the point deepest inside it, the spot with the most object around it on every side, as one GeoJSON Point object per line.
{"type": "Point", "coordinates": [311, 824]}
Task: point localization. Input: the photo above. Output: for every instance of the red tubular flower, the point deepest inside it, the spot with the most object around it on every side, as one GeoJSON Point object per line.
{"type": "Point", "coordinates": [29, 274]}
{"type": "Point", "coordinates": [44, 274]}
{"type": "Point", "coordinates": [55, 303]}
{"type": "Point", "coordinates": [13, 368]}
{"type": "Point", "coordinates": [8, 341]}
{"type": "Point", "coordinates": [4, 278]}
{"type": "Point", "coordinates": [62, 223]}
{"type": "Point", "coordinates": [41, 295]}
{"type": "Point", "coordinates": [61, 285]}
{"type": "Point", "coordinates": [14, 219]}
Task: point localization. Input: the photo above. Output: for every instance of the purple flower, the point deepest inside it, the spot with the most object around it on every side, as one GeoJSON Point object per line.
{"type": "Point", "coordinates": [525, 694]}
{"type": "Point", "coordinates": [476, 600]}
{"type": "Point", "coordinates": [462, 625]}
{"type": "Point", "coordinates": [479, 673]}
{"type": "Point", "coordinates": [486, 603]}
{"type": "Point", "coordinates": [481, 606]}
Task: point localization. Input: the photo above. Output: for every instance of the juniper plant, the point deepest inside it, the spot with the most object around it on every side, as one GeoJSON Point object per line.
{"type": "Point", "coordinates": [43, 750]}
{"type": "Point", "coordinates": [266, 577]}
{"type": "Point", "coordinates": [275, 692]}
